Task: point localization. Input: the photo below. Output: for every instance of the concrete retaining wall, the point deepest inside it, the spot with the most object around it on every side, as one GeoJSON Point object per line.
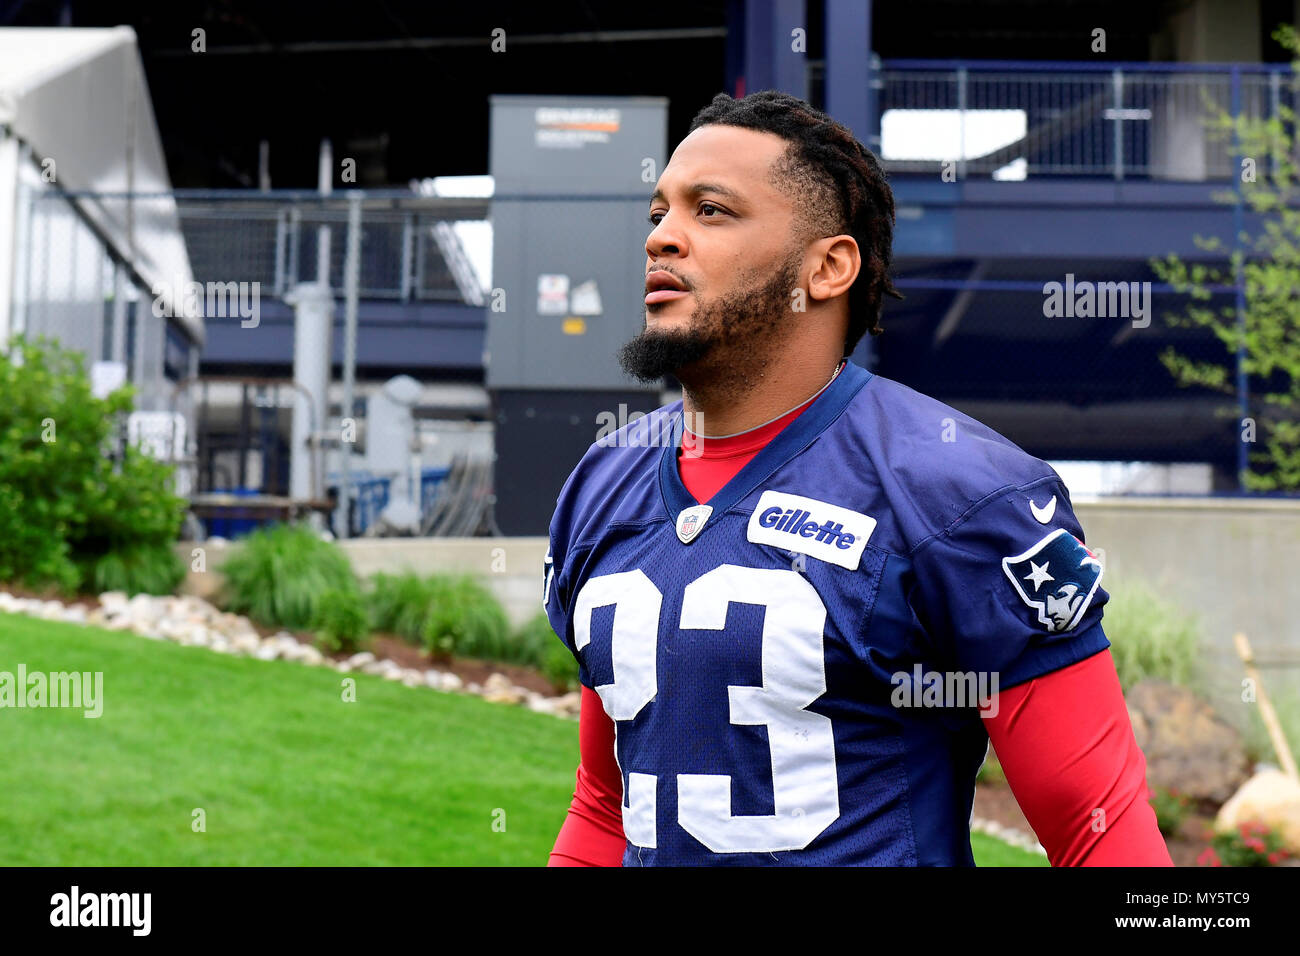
{"type": "Point", "coordinates": [1235, 563]}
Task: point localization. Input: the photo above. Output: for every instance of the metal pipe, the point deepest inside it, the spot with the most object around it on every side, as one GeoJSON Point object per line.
{"type": "Point", "coordinates": [351, 282]}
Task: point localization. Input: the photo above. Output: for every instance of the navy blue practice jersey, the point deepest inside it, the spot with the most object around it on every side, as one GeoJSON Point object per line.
{"type": "Point", "coordinates": [785, 665]}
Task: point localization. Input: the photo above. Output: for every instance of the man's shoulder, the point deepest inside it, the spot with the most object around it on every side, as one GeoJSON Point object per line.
{"type": "Point", "coordinates": [635, 446]}
{"type": "Point", "coordinates": [616, 475]}
{"type": "Point", "coordinates": [933, 461]}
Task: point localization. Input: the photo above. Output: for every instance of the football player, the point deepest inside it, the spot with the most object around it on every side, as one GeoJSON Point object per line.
{"type": "Point", "coordinates": [805, 598]}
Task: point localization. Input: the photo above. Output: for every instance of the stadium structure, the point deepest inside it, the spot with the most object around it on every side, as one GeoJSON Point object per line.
{"type": "Point", "coordinates": [1025, 149]}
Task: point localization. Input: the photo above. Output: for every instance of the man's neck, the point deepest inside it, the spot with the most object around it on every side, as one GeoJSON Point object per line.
{"type": "Point", "coordinates": [729, 399]}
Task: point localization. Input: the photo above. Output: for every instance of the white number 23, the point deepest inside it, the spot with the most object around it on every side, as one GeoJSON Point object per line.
{"type": "Point", "coordinates": [804, 782]}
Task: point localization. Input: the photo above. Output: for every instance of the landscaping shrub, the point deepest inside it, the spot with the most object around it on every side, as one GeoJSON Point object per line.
{"type": "Point", "coordinates": [990, 771]}
{"type": "Point", "coordinates": [534, 641]}
{"type": "Point", "coordinates": [280, 573]}
{"type": "Point", "coordinates": [536, 644]}
{"type": "Point", "coordinates": [341, 621]}
{"type": "Point", "coordinates": [1171, 809]}
{"type": "Point", "coordinates": [400, 604]}
{"type": "Point", "coordinates": [70, 498]}
{"type": "Point", "coordinates": [1151, 637]}
{"type": "Point", "coordinates": [465, 619]}
{"type": "Point", "coordinates": [1250, 844]}
{"type": "Point", "coordinates": [138, 569]}
{"type": "Point", "coordinates": [446, 615]}
{"type": "Point", "coordinates": [560, 667]}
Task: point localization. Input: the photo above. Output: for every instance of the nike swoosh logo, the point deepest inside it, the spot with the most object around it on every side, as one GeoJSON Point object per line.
{"type": "Point", "coordinates": [1043, 514]}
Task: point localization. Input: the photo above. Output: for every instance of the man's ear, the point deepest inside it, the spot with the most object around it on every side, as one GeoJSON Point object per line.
{"type": "Point", "coordinates": [837, 264]}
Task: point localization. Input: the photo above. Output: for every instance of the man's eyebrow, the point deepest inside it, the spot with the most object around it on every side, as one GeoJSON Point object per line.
{"type": "Point", "coordinates": [697, 188]}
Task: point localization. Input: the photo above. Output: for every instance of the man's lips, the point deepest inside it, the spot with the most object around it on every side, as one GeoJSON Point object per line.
{"type": "Point", "coordinates": [663, 295]}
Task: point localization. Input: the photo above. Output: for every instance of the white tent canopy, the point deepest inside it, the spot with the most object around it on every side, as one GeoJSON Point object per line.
{"type": "Point", "coordinates": [78, 97]}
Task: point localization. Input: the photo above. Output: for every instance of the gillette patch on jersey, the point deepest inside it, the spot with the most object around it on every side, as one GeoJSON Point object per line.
{"type": "Point", "coordinates": [820, 530]}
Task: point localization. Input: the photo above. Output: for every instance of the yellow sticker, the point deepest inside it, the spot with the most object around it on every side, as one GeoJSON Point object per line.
{"type": "Point", "coordinates": [574, 326]}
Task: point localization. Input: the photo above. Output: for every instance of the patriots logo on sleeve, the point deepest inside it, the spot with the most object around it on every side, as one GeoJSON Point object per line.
{"type": "Point", "coordinates": [1057, 577]}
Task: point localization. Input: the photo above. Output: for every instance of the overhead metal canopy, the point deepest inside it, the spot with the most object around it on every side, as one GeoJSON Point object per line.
{"type": "Point", "coordinates": [78, 97]}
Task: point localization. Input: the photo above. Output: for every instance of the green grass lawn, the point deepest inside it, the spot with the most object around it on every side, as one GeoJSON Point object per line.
{"type": "Point", "coordinates": [285, 771]}
{"type": "Point", "coordinates": [990, 851]}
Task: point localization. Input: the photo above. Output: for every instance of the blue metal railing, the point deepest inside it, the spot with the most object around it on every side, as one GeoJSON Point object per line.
{"type": "Point", "coordinates": [1025, 119]}
{"type": "Point", "coordinates": [372, 497]}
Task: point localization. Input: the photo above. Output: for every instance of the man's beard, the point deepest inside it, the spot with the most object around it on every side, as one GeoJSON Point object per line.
{"type": "Point", "coordinates": [727, 343]}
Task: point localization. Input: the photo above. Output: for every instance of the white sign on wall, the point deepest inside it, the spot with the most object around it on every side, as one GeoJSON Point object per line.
{"type": "Point", "coordinates": [552, 294]}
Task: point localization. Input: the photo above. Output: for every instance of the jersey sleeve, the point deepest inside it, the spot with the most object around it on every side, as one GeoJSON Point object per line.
{"type": "Point", "coordinates": [1009, 588]}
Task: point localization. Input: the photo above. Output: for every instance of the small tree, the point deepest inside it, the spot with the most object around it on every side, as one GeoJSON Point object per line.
{"type": "Point", "coordinates": [1267, 265]}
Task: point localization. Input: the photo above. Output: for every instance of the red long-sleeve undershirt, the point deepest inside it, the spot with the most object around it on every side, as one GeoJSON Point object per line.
{"type": "Point", "coordinates": [1064, 740]}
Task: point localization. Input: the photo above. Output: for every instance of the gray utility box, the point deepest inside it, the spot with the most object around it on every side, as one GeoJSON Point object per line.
{"type": "Point", "coordinates": [573, 177]}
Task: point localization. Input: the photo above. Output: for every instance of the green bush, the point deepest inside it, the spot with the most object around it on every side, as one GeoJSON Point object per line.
{"type": "Point", "coordinates": [990, 771]}
{"type": "Point", "coordinates": [446, 615]}
{"type": "Point", "coordinates": [1151, 637]}
{"type": "Point", "coordinates": [465, 619]}
{"type": "Point", "coordinates": [534, 641]}
{"type": "Point", "coordinates": [138, 569]}
{"type": "Point", "coordinates": [537, 645]}
{"type": "Point", "coordinates": [68, 498]}
{"type": "Point", "coordinates": [280, 573]}
{"type": "Point", "coordinates": [400, 604]}
{"type": "Point", "coordinates": [341, 621]}
{"type": "Point", "coordinates": [1171, 809]}
{"type": "Point", "coordinates": [560, 667]}
{"type": "Point", "coordinates": [1250, 844]}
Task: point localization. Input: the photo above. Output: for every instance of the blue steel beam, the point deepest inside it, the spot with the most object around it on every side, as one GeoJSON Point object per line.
{"type": "Point", "coordinates": [849, 95]}
{"type": "Point", "coordinates": [1060, 219]}
{"type": "Point", "coordinates": [770, 62]}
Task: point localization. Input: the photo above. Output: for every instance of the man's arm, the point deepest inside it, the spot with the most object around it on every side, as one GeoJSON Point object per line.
{"type": "Point", "coordinates": [1066, 744]}
{"type": "Point", "coordinates": [592, 834]}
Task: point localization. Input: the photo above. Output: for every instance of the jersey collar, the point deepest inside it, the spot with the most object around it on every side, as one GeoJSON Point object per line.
{"type": "Point", "coordinates": [793, 439]}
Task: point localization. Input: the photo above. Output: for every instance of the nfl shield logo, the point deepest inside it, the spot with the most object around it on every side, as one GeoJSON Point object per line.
{"type": "Point", "coordinates": [691, 522]}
